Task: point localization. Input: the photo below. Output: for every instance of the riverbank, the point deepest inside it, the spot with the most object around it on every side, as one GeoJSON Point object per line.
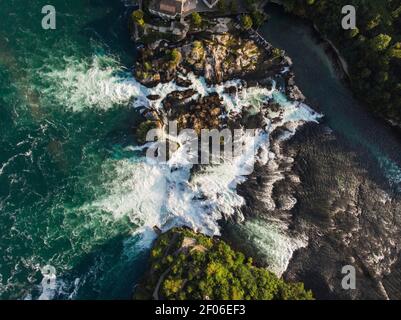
{"type": "Point", "coordinates": [365, 148]}
{"type": "Point", "coordinates": [370, 74]}
{"type": "Point", "coordinates": [331, 49]}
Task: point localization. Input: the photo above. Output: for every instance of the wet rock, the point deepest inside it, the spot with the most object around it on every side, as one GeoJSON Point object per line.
{"type": "Point", "coordinates": [183, 82]}
{"type": "Point", "coordinates": [275, 107]}
{"type": "Point", "coordinates": [294, 93]}
{"type": "Point", "coordinates": [231, 90]}
{"type": "Point", "coordinates": [153, 97]}
{"type": "Point", "coordinates": [177, 98]}
{"type": "Point", "coordinates": [150, 114]}
{"type": "Point", "coordinates": [348, 218]}
{"type": "Point", "coordinates": [215, 112]}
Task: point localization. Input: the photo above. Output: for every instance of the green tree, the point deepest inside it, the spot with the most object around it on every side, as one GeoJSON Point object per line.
{"type": "Point", "coordinates": [353, 33]}
{"type": "Point", "coordinates": [137, 17]}
{"type": "Point", "coordinates": [211, 269]}
{"type": "Point", "coordinates": [395, 51]}
{"type": "Point", "coordinates": [171, 286]}
{"type": "Point", "coordinates": [175, 57]}
{"type": "Point", "coordinates": [246, 22]}
{"type": "Point", "coordinates": [380, 42]}
{"type": "Point", "coordinates": [373, 23]}
{"type": "Point", "coordinates": [365, 73]}
{"type": "Point", "coordinates": [258, 18]}
{"type": "Point", "coordinates": [222, 5]}
{"type": "Point", "coordinates": [369, 46]}
{"type": "Point", "coordinates": [293, 292]}
{"type": "Point", "coordinates": [249, 4]}
{"type": "Point", "coordinates": [196, 19]}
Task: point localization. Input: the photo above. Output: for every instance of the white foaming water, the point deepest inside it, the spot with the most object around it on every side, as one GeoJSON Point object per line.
{"type": "Point", "coordinates": [273, 242]}
{"type": "Point", "coordinates": [83, 84]}
{"type": "Point", "coordinates": [166, 195]}
{"type": "Point", "coordinates": [100, 83]}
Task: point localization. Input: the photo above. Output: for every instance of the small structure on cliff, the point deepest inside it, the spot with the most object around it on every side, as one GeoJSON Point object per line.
{"type": "Point", "coordinates": [171, 9]}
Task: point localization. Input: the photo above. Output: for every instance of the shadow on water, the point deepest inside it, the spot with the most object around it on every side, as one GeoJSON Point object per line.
{"type": "Point", "coordinates": [110, 271]}
{"type": "Point", "coordinates": [111, 29]}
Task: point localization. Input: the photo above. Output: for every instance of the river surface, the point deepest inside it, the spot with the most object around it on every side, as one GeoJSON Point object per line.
{"type": "Point", "coordinates": [349, 200]}
{"type": "Point", "coordinates": [63, 123]}
{"type": "Point", "coordinates": [74, 192]}
{"type": "Point", "coordinates": [321, 84]}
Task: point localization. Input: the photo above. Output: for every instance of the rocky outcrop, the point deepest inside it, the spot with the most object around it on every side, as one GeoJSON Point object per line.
{"type": "Point", "coordinates": [349, 218]}
{"type": "Point", "coordinates": [198, 114]}
{"type": "Point", "coordinates": [292, 90]}
{"type": "Point", "coordinates": [217, 57]}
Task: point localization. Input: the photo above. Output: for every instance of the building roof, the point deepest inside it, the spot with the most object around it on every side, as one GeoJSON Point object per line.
{"type": "Point", "coordinates": [171, 7]}
{"type": "Point", "coordinates": [174, 7]}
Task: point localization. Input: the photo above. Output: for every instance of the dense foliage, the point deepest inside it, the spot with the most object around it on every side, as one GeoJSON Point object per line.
{"type": "Point", "coordinates": [193, 266]}
{"type": "Point", "coordinates": [246, 22]}
{"type": "Point", "coordinates": [373, 51]}
{"type": "Point", "coordinates": [138, 17]}
{"type": "Point", "coordinates": [196, 19]}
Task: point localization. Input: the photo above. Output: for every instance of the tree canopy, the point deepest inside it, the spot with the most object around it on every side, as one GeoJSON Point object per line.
{"type": "Point", "coordinates": [137, 17]}
{"type": "Point", "coordinates": [246, 22]}
{"type": "Point", "coordinates": [196, 19]}
{"type": "Point", "coordinates": [373, 50]}
{"type": "Point", "coordinates": [194, 266]}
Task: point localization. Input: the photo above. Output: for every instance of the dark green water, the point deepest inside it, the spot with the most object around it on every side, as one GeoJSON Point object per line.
{"type": "Point", "coordinates": [320, 83]}
{"type": "Point", "coordinates": [60, 137]}
{"type": "Point", "coordinates": [67, 192]}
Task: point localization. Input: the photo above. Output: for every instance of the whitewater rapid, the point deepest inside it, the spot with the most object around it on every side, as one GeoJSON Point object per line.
{"type": "Point", "coordinates": [167, 194]}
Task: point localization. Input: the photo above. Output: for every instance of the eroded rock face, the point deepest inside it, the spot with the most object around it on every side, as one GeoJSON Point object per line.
{"type": "Point", "coordinates": [323, 192]}
{"type": "Point", "coordinates": [349, 220]}
{"type": "Point", "coordinates": [200, 114]}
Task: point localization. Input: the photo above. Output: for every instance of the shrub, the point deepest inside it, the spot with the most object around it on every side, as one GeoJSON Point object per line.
{"type": "Point", "coordinates": [246, 22]}
{"type": "Point", "coordinates": [196, 19]}
{"type": "Point", "coordinates": [137, 17]}
{"type": "Point", "coordinates": [175, 57]}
